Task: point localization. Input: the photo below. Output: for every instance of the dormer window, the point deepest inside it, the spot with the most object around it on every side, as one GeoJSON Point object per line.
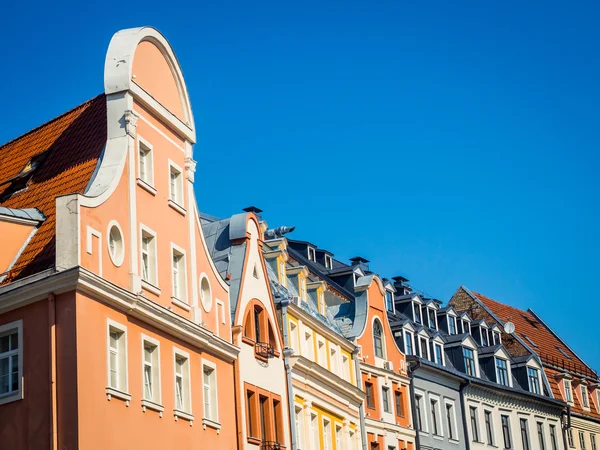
{"type": "Point", "coordinates": [438, 354]}
{"type": "Point", "coordinates": [408, 343]}
{"type": "Point", "coordinates": [431, 316]}
{"type": "Point", "coordinates": [378, 338]}
{"type": "Point", "coordinates": [417, 313]}
{"type": "Point", "coordinates": [502, 372]}
{"type": "Point", "coordinates": [497, 338]}
{"type": "Point", "coordinates": [328, 262]}
{"type": "Point", "coordinates": [355, 279]}
{"type": "Point", "coordinates": [484, 337]}
{"type": "Point", "coordinates": [282, 274]}
{"type": "Point", "coordinates": [568, 392]}
{"type": "Point", "coordinates": [423, 346]}
{"type": "Point", "coordinates": [451, 325]}
{"type": "Point", "coordinates": [469, 360]}
{"type": "Point", "coordinates": [312, 254]}
{"type": "Point", "coordinates": [322, 305]}
{"type": "Point", "coordinates": [389, 301]}
{"type": "Point", "coordinates": [303, 295]}
{"type": "Point", "coordinates": [466, 326]}
{"type": "Point", "coordinates": [534, 380]}
{"type": "Point", "coordinates": [584, 396]}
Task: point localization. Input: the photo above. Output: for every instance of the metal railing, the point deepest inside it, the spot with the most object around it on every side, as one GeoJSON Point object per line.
{"type": "Point", "coordinates": [264, 349]}
{"type": "Point", "coordinates": [569, 366]}
{"type": "Point", "coordinates": [270, 445]}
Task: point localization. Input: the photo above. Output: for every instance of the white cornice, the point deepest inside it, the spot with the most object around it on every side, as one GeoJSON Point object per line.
{"type": "Point", "coordinates": [17, 295]}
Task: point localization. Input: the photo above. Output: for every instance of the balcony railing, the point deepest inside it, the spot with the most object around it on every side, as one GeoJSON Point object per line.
{"type": "Point", "coordinates": [270, 445]}
{"type": "Point", "coordinates": [569, 366]}
{"type": "Point", "coordinates": [264, 349]}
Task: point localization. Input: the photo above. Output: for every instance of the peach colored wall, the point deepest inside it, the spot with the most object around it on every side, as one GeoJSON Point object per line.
{"type": "Point", "coordinates": [24, 424]}
{"type": "Point", "coordinates": [129, 427]}
{"type": "Point", "coordinates": [153, 74]}
{"type": "Point", "coordinates": [12, 238]}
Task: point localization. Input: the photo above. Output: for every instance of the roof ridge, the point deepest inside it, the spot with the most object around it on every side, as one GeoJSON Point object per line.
{"type": "Point", "coordinates": [60, 116]}
{"type": "Point", "coordinates": [500, 303]}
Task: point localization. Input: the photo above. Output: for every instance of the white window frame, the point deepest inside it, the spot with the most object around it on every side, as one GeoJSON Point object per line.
{"type": "Point", "coordinates": [585, 399]}
{"type": "Point", "coordinates": [440, 422]}
{"type": "Point", "coordinates": [308, 344]}
{"type": "Point", "coordinates": [213, 420]}
{"type": "Point", "coordinates": [568, 398]}
{"type": "Point", "coordinates": [385, 393]}
{"type": "Point", "coordinates": [339, 436]}
{"type": "Point", "coordinates": [327, 440]}
{"type": "Point", "coordinates": [412, 342]}
{"type": "Point", "coordinates": [312, 254]}
{"type": "Point", "coordinates": [454, 425]}
{"type": "Point", "coordinates": [508, 371]}
{"type": "Point", "coordinates": [314, 429]}
{"type": "Point", "coordinates": [10, 328]}
{"type": "Point", "coordinates": [322, 352]}
{"type": "Point", "coordinates": [176, 197]}
{"type": "Point", "coordinates": [155, 402]}
{"type": "Point", "coordinates": [117, 254]}
{"type": "Point", "coordinates": [328, 262]}
{"type": "Point", "coordinates": [152, 283]}
{"type": "Point", "coordinates": [333, 359]}
{"type": "Point", "coordinates": [146, 182]}
{"type": "Point", "coordinates": [435, 346]}
{"type": "Point", "coordinates": [421, 398]}
{"type": "Point", "coordinates": [122, 389]}
{"type": "Point", "coordinates": [299, 423]}
{"type": "Point", "coordinates": [179, 291]}
{"type": "Point", "coordinates": [185, 413]}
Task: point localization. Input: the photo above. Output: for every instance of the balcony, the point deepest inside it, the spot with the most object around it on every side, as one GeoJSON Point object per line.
{"type": "Point", "coordinates": [270, 445]}
{"type": "Point", "coordinates": [264, 350]}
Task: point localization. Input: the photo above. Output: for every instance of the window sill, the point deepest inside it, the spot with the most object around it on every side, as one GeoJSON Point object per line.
{"type": "Point", "coordinates": [181, 304]}
{"type": "Point", "coordinates": [438, 437]}
{"type": "Point", "coordinates": [150, 287]}
{"type": "Point", "coordinates": [186, 416]}
{"type": "Point", "coordinates": [454, 441]}
{"type": "Point", "coordinates": [111, 392]}
{"type": "Point", "coordinates": [145, 186]}
{"type": "Point", "coordinates": [254, 441]}
{"type": "Point", "coordinates": [247, 340]}
{"type": "Point", "coordinates": [11, 397]}
{"type": "Point", "coordinates": [177, 207]}
{"type": "Point", "coordinates": [211, 424]}
{"type": "Point", "coordinates": [147, 404]}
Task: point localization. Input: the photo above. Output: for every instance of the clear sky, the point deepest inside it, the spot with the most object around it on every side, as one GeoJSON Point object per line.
{"type": "Point", "coordinates": [454, 143]}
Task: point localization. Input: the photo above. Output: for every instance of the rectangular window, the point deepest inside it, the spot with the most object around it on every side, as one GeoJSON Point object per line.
{"type": "Point", "coordinates": [369, 392]}
{"type": "Point", "coordinates": [326, 434]}
{"type": "Point", "coordinates": [339, 438]}
{"type": "Point", "coordinates": [582, 440]}
{"type": "Point", "coordinates": [209, 384]}
{"type": "Point", "coordinates": [399, 403]}
{"type": "Point", "coordinates": [474, 424]}
{"type": "Point", "coordinates": [311, 254]}
{"type": "Point", "coordinates": [502, 371]}
{"type": "Point", "coordinates": [484, 337]}
{"type": "Point", "coordinates": [431, 316]}
{"type": "Point", "coordinates": [534, 380]}
{"type": "Point", "coordinates": [506, 432]}
{"type": "Point", "coordinates": [451, 325]}
{"type": "Point", "coordinates": [278, 419]}
{"type": "Point", "coordinates": [570, 437]}
{"type": "Point", "coordinates": [178, 274]}
{"type": "Point", "coordinates": [418, 399]}
{"type": "Point", "coordinates": [435, 418]}
{"type": "Point", "coordinates": [553, 440]}
{"type": "Point", "coordinates": [182, 383]}
{"type": "Point", "coordinates": [148, 262]}
{"type": "Point", "coordinates": [314, 431]}
{"type": "Point", "coordinates": [151, 370]}
{"type": "Point", "coordinates": [593, 441]}
{"type": "Point", "coordinates": [450, 420]}
{"type": "Point", "coordinates": [540, 431]}
{"type": "Point", "coordinates": [469, 359]}
{"type": "Point", "coordinates": [117, 356]}
{"type": "Point", "coordinates": [408, 343]}
{"type": "Point", "coordinates": [389, 301]}
{"type": "Point", "coordinates": [524, 434]}
{"type": "Point", "coordinates": [385, 393]}
{"type": "Point", "coordinates": [584, 396]}
{"type": "Point", "coordinates": [417, 309]}
{"type": "Point", "coordinates": [328, 263]}
{"type": "Point", "coordinates": [489, 432]}
{"type": "Point", "coordinates": [438, 354]}
{"type": "Point", "coordinates": [251, 413]}
{"type": "Point", "coordinates": [568, 393]}
{"type": "Point", "coordinates": [299, 422]}
{"type": "Point", "coordinates": [424, 350]}
{"type": "Point", "coordinates": [145, 168]}
{"type": "Point", "coordinates": [175, 184]}
{"type": "Point", "coordinates": [11, 358]}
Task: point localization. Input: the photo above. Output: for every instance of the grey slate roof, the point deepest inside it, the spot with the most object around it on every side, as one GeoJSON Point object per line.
{"type": "Point", "coordinates": [28, 213]}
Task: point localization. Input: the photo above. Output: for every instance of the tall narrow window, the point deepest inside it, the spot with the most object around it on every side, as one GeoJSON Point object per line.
{"type": "Point", "coordinates": [489, 432]}
{"type": "Point", "coordinates": [209, 384]}
{"type": "Point", "coordinates": [469, 360]}
{"type": "Point", "coordinates": [251, 413]}
{"type": "Point", "coordinates": [582, 440]}
{"type": "Point", "coordinates": [175, 185]}
{"type": "Point", "coordinates": [451, 325]}
{"type": "Point", "coordinates": [146, 171]}
{"type": "Point", "coordinates": [399, 403]}
{"type": "Point", "coordinates": [553, 440]}
{"type": "Point", "coordinates": [385, 394]}
{"type": "Point", "coordinates": [182, 387]}
{"type": "Point", "coordinates": [282, 274]}
{"type": "Point", "coordinates": [326, 434]}
{"type": "Point", "coordinates": [179, 288]}
{"type": "Point", "coordinates": [584, 396]}
{"type": "Point", "coordinates": [148, 257]}
{"type": "Point", "coordinates": [328, 262]}
{"type": "Point", "coordinates": [408, 344]}
{"type": "Point", "coordinates": [502, 371]}
{"type": "Point", "coordinates": [434, 418]}
{"type": "Point", "coordinates": [431, 315]}
{"type": "Point", "coordinates": [593, 441]}
{"type": "Point", "coordinates": [378, 338]}
{"type": "Point", "coordinates": [450, 420]}
{"type": "Point", "coordinates": [524, 434]}
{"type": "Point", "coordinates": [10, 361]}
{"type": "Point", "coordinates": [299, 421]}
{"type": "Point", "coordinates": [438, 354]}
{"type": "Point", "coordinates": [151, 367]}
{"type": "Point", "coordinates": [117, 357]}
{"type": "Point", "coordinates": [506, 432]}
{"type": "Point", "coordinates": [541, 438]}
{"type": "Point", "coordinates": [263, 406]}
{"type": "Point", "coordinates": [278, 420]}
{"type": "Point", "coordinates": [534, 380]}
{"type": "Point", "coordinates": [369, 394]}
{"type": "Point", "coordinates": [568, 393]}
{"type": "Point", "coordinates": [474, 425]}
{"type": "Point", "coordinates": [424, 348]}
{"type": "Point", "coordinates": [484, 337]}
{"type": "Point", "coordinates": [339, 438]}
{"type": "Point", "coordinates": [570, 437]}
{"type": "Point", "coordinates": [417, 309]}
{"type": "Point", "coordinates": [418, 399]}
{"type": "Point", "coordinates": [389, 302]}
{"type": "Point", "coordinates": [314, 430]}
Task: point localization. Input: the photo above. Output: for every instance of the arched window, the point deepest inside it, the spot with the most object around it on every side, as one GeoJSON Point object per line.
{"type": "Point", "coordinates": [378, 338]}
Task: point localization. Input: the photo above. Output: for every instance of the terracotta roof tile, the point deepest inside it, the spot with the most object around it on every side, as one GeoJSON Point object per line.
{"type": "Point", "coordinates": [74, 142]}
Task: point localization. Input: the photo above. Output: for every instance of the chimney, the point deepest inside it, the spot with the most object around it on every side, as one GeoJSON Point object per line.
{"type": "Point", "coordinates": [361, 262]}
{"type": "Point", "coordinates": [401, 285]}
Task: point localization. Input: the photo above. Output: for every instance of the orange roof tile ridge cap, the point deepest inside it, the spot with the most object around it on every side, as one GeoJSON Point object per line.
{"type": "Point", "coordinates": [539, 319]}
{"type": "Point", "coordinates": [60, 116]}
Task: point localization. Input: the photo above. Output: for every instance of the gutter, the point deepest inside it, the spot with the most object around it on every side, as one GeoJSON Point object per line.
{"type": "Point", "coordinates": [461, 394]}
{"type": "Point", "coordinates": [53, 371]}
{"type": "Point", "coordinates": [361, 408]}
{"type": "Point", "coordinates": [566, 426]}
{"type": "Point", "coordinates": [287, 352]}
{"type": "Point", "coordinates": [413, 409]}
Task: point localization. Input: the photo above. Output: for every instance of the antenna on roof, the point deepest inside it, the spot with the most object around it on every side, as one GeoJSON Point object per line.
{"type": "Point", "coordinates": [509, 327]}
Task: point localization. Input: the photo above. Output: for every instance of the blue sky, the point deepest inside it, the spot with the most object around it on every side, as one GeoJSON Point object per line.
{"type": "Point", "coordinates": [451, 142]}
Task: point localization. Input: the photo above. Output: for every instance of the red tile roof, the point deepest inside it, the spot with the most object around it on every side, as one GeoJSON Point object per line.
{"type": "Point", "coordinates": [546, 346]}
{"type": "Point", "coordinates": [74, 142]}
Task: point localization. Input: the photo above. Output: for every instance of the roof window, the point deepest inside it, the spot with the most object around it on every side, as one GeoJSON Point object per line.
{"type": "Point", "coordinates": [20, 181]}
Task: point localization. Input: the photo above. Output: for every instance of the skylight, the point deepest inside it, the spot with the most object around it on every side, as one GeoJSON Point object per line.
{"type": "Point", "coordinates": [529, 340]}
{"type": "Point", "coordinates": [563, 352]}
